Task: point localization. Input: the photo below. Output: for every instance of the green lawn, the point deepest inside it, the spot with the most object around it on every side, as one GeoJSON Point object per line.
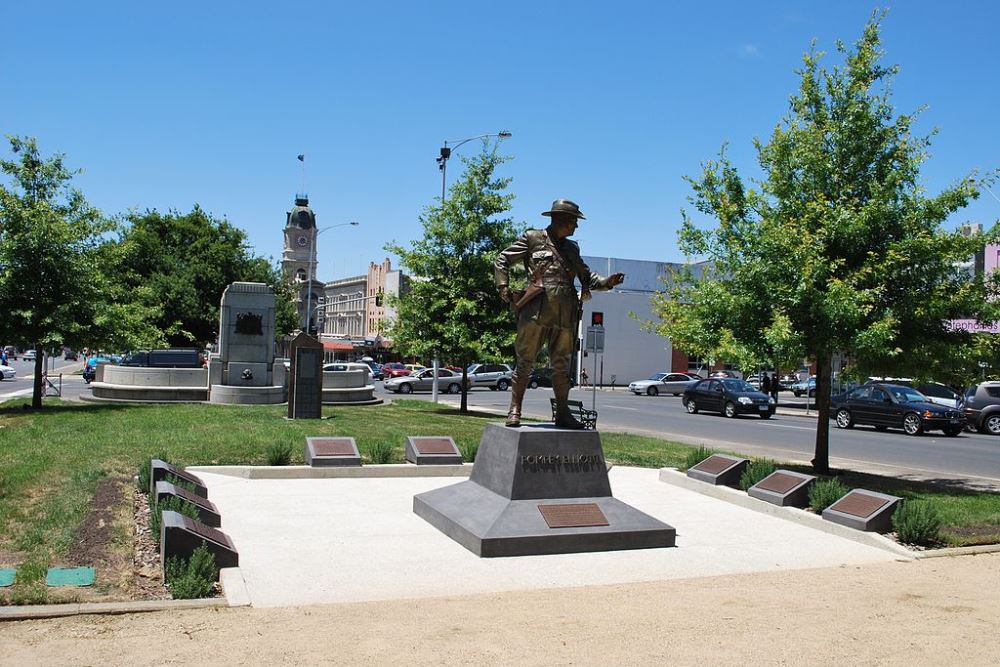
{"type": "Point", "coordinates": [51, 462]}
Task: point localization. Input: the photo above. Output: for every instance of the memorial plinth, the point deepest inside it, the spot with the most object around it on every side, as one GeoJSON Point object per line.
{"type": "Point", "coordinates": [539, 490]}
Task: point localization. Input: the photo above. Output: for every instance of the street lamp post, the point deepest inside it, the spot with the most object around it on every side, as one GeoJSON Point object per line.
{"type": "Point", "coordinates": [312, 262]}
{"type": "Point", "coordinates": [446, 150]}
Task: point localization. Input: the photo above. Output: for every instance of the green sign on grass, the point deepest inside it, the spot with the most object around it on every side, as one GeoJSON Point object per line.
{"type": "Point", "coordinates": [70, 576]}
{"type": "Point", "coordinates": [7, 576]}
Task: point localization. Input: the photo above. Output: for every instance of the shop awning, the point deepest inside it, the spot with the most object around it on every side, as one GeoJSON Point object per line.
{"type": "Point", "coordinates": [336, 345]}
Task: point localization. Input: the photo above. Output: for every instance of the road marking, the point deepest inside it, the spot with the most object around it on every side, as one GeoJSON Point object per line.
{"type": "Point", "coordinates": [618, 407]}
{"type": "Point", "coordinates": [797, 428]}
{"type": "Point", "coordinates": [14, 394]}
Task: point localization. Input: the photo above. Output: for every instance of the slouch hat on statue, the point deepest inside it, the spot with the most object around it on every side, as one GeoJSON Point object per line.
{"type": "Point", "coordinates": [566, 207]}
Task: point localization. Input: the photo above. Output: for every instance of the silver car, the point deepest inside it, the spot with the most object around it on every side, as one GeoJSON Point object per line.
{"type": "Point", "coordinates": [663, 383]}
{"type": "Point", "coordinates": [494, 376]}
{"type": "Point", "coordinates": [448, 382]}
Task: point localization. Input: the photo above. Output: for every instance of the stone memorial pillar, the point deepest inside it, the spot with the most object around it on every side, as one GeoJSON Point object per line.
{"type": "Point", "coordinates": [305, 386]}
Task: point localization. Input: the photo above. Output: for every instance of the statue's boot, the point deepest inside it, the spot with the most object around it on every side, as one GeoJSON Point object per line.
{"type": "Point", "coordinates": [517, 388]}
{"type": "Point", "coordinates": [564, 418]}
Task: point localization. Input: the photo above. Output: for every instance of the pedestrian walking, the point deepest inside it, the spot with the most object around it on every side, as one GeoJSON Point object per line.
{"type": "Point", "coordinates": [765, 384]}
{"type": "Point", "coordinates": [775, 387]}
{"type": "Point", "coordinates": [583, 377]}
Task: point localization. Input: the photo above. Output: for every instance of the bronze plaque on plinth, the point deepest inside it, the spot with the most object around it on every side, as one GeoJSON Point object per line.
{"type": "Point", "coordinates": [859, 504]}
{"type": "Point", "coordinates": [713, 465]}
{"type": "Point", "coordinates": [779, 482]}
{"type": "Point", "coordinates": [333, 447]}
{"type": "Point", "coordinates": [434, 445]}
{"type": "Point", "coordinates": [575, 515]}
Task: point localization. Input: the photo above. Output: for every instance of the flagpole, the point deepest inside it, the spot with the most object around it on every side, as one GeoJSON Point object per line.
{"type": "Point", "coordinates": [302, 158]}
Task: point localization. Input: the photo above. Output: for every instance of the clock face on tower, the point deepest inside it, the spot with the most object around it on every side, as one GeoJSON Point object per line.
{"type": "Point", "coordinates": [302, 241]}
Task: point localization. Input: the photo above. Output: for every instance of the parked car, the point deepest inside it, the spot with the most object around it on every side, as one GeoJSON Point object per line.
{"type": "Point", "coordinates": [176, 357]}
{"type": "Point", "coordinates": [787, 380]}
{"type": "Point", "coordinates": [981, 407]}
{"type": "Point", "coordinates": [663, 383]}
{"type": "Point", "coordinates": [494, 376]}
{"type": "Point", "coordinates": [448, 382]}
{"type": "Point", "coordinates": [69, 355]}
{"type": "Point", "coordinates": [394, 369]}
{"type": "Point", "coordinates": [895, 406]}
{"type": "Point", "coordinates": [414, 368]}
{"type": "Point", "coordinates": [7, 373]}
{"type": "Point", "coordinates": [807, 386]}
{"type": "Point", "coordinates": [29, 355]}
{"type": "Point", "coordinates": [341, 366]}
{"type": "Point", "coordinates": [736, 375]}
{"type": "Point", "coordinates": [542, 377]}
{"type": "Point", "coordinates": [729, 396]}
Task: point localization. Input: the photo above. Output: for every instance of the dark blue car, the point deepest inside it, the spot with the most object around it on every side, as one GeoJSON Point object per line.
{"type": "Point", "coordinates": [895, 406]}
{"type": "Point", "coordinates": [729, 396]}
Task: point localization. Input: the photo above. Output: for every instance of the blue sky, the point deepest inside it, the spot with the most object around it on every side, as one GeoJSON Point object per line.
{"type": "Point", "coordinates": [610, 104]}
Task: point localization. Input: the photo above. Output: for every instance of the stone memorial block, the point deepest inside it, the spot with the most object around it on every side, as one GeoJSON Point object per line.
{"type": "Point", "coordinates": [539, 490]}
{"type": "Point", "coordinates": [864, 510]}
{"type": "Point", "coordinates": [180, 536]}
{"type": "Point", "coordinates": [423, 450]}
{"type": "Point", "coordinates": [208, 513]}
{"type": "Point", "coordinates": [246, 326]}
{"type": "Point", "coordinates": [784, 488]}
{"type": "Point", "coordinates": [329, 452]}
{"type": "Point", "coordinates": [719, 469]}
{"type": "Point", "coordinates": [160, 469]}
{"type": "Point", "coordinates": [305, 386]}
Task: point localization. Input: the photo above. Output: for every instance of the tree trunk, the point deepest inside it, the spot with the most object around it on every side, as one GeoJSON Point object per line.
{"type": "Point", "coordinates": [39, 385]}
{"type": "Point", "coordinates": [821, 458]}
{"type": "Point", "coordinates": [464, 407]}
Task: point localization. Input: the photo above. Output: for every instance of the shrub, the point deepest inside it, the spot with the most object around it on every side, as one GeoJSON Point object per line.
{"type": "Point", "coordinates": [469, 451]}
{"type": "Point", "coordinates": [178, 482]}
{"type": "Point", "coordinates": [192, 578]}
{"type": "Point", "coordinates": [170, 503]}
{"type": "Point", "coordinates": [144, 473]}
{"type": "Point", "coordinates": [916, 522]}
{"type": "Point", "coordinates": [755, 471]}
{"type": "Point", "coordinates": [381, 452]}
{"type": "Point", "coordinates": [279, 454]}
{"type": "Point", "coordinates": [825, 492]}
{"type": "Point", "coordinates": [696, 456]}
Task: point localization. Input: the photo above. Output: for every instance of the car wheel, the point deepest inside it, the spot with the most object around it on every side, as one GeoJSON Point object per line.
{"type": "Point", "coordinates": [912, 425]}
{"type": "Point", "coordinates": [691, 406]}
{"type": "Point", "coordinates": [454, 388]}
{"type": "Point", "coordinates": [652, 391]}
{"type": "Point", "coordinates": [405, 388]}
{"type": "Point", "coordinates": [991, 425]}
{"type": "Point", "coordinates": [953, 432]}
{"type": "Point", "coordinates": [844, 419]}
{"type": "Point", "coordinates": [533, 384]}
{"type": "Point", "coordinates": [502, 385]}
{"type": "Point", "coordinates": [729, 410]}
{"type": "Point", "coordinates": [765, 415]}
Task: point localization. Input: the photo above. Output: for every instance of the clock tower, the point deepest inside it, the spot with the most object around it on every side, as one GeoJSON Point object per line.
{"type": "Point", "coordinates": [298, 258]}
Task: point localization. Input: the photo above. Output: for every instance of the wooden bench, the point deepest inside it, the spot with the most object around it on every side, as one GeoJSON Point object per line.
{"type": "Point", "coordinates": [587, 417]}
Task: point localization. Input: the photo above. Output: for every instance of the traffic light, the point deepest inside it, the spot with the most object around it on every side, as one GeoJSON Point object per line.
{"type": "Point", "coordinates": [597, 319]}
{"type": "Point", "coordinates": [378, 299]}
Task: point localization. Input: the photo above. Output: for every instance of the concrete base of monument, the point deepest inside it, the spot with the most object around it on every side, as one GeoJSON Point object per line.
{"type": "Point", "coordinates": [539, 490]}
{"type": "Point", "coordinates": [236, 395]}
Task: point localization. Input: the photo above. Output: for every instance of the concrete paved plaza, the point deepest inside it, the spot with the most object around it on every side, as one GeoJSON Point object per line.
{"type": "Point", "coordinates": [319, 541]}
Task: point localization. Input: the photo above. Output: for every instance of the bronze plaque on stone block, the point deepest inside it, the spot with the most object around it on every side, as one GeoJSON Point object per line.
{"type": "Point", "coordinates": [780, 482]}
{"type": "Point", "coordinates": [194, 498]}
{"type": "Point", "coordinates": [713, 465]}
{"type": "Point", "coordinates": [208, 533]}
{"type": "Point", "coordinates": [333, 447]}
{"type": "Point", "coordinates": [859, 504]}
{"type": "Point", "coordinates": [577, 515]}
{"type": "Point", "coordinates": [434, 445]}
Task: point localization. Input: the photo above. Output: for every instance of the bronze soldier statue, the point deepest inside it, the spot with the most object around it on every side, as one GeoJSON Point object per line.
{"type": "Point", "coordinates": [549, 310]}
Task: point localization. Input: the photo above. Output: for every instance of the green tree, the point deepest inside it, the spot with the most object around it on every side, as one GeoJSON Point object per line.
{"type": "Point", "coordinates": [184, 262]}
{"type": "Point", "coordinates": [54, 286]}
{"type": "Point", "coordinates": [452, 310]}
{"type": "Point", "coordinates": [837, 248]}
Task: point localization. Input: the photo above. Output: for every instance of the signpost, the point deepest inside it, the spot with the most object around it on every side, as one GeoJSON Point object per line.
{"type": "Point", "coordinates": [594, 345]}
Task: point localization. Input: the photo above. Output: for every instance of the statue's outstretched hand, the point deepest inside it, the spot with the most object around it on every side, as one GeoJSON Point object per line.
{"type": "Point", "coordinates": [616, 279]}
